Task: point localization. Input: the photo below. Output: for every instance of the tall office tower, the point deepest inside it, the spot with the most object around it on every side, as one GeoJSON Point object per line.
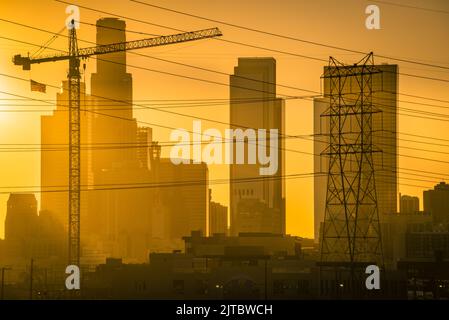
{"type": "Point", "coordinates": [257, 205]}
{"type": "Point", "coordinates": [408, 204]}
{"type": "Point", "coordinates": [384, 98]}
{"type": "Point", "coordinates": [119, 215]}
{"type": "Point", "coordinates": [55, 156]}
{"type": "Point", "coordinates": [113, 127]}
{"type": "Point", "coordinates": [385, 128]}
{"type": "Point", "coordinates": [436, 202]}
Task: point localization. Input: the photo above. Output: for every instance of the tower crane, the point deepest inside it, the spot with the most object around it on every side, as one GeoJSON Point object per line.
{"type": "Point", "coordinates": [74, 56]}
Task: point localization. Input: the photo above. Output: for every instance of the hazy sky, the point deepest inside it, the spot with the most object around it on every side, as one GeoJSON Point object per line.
{"type": "Point", "coordinates": [405, 33]}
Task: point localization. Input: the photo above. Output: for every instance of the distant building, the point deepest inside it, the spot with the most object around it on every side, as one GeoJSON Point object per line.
{"type": "Point", "coordinates": [394, 230]}
{"type": "Point", "coordinates": [111, 86]}
{"type": "Point", "coordinates": [218, 218]}
{"type": "Point", "coordinates": [144, 141]}
{"type": "Point", "coordinates": [21, 217]}
{"type": "Point", "coordinates": [408, 204]}
{"type": "Point", "coordinates": [29, 235]}
{"type": "Point", "coordinates": [434, 245]}
{"type": "Point", "coordinates": [119, 212]}
{"type": "Point", "coordinates": [436, 202]}
{"type": "Point", "coordinates": [181, 202]}
{"type": "Point", "coordinates": [251, 266]}
{"type": "Point", "coordinates": [256, 205]}
{"type": "Point", "coordinates": [246, 243]}
{"type": "Point", "coordinates": [427, 278]}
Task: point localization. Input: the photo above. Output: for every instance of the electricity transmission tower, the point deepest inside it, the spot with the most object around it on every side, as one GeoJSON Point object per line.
{"type": "Point", "coordinates": [351, 235]}
{"type": "Point", "coordinates": [74, 56]}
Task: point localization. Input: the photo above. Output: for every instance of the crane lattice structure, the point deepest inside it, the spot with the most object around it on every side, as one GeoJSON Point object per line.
{"type": "Point", "coordinates": [74, 57]}
{"type": "Point", "coordinates": [351, 232]}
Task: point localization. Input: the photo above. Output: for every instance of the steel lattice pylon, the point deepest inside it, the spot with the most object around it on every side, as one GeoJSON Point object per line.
{"type": "Point", "coordinates": [351, 231]}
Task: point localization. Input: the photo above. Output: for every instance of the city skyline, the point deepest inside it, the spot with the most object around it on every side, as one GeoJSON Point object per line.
{"type": "Point", "coordinates": [299, 195]}
{"type": "Point", "coordinates": [224, 151]}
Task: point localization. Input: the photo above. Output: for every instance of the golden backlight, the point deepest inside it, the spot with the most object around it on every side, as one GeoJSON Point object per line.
{"type": "Point", "coordinates": [403, 34]}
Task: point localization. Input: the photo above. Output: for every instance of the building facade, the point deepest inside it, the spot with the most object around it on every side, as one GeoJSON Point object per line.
{"type": "Point", "coordinates": [218, 218]}
{"type": "Point", "coordinates": [408, 204]}
{"type": "Point", "coordinates": [436, 202]}
{"type": "Point", "coordinates": [257, 205]}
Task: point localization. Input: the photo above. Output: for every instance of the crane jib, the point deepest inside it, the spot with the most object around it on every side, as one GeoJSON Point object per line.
{"type": "Point", "coordinates": [26, 62]}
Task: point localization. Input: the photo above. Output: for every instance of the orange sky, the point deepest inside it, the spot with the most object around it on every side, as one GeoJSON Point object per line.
{"type": "Point", "coordinates": [406, 33]}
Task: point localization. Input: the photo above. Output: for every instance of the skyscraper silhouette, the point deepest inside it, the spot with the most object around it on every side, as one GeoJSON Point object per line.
{"type": "Point", "coordinates": [256, 206]}
{"type": "Point", "coordinates": [21, 217]}
{"type": "Point", "coordinates": [120, 217]}
{"type": "Point", "coordinates": [113, 124]}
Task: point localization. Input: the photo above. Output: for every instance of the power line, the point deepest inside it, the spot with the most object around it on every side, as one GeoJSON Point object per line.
{"type": "Point", "coordinates": [421, 97]}
{"type": "Point", "coordinates": [189, 183]}
{"type": "Point", "coordinates": [177, 184]}
{"type": "Point", "coordinates": [216, 121]}
{"type": "Point", "coordinates": [101, 106]}
{"type": "Point", "coordinates": [415, 157]}
{"type": "Point", "coordinates": [265, 177]}
{"type": "Point", "coordinates": [139, 121]}
{"type": "Point", "coordinates": [195, 117]}
{"type": "Point", "coordinates": [163, 72]}
{"type": "Point", "coordinates": [153, 100]}
{"type": "Point", "coordinates": [158, 71]}
{"type": "Point", "coordinates": [213, 71]}
{"type": "Point", "coordinates": [46, 44]}
{"type": "Point", "coordinates": [25, 147]}
{"type": "Point", "coordinates": [410, 7]}
{"type": "Point", "coordinates": [151, 57]}
{"type": "Point", "coordinates": [286, 86]}
{"type": "Point", "coordinates": [173, 183]}
{"type": "Point", "coordinates": [217, 104]}
{"type": "Point", "coordinates": [170, 143]}
{"type": "Point", "coordinates": [290, 150]}
{"type": "Point", "coordinates": [113, 146]}
{"type": "Point", "coordinates": [420, 158]}
{"type": "Point", "coordinates": [118, 29]}
{"type": "Point", "coordinates": [286, 37]}
{"type": "Point", "coordinates": [235, 42]}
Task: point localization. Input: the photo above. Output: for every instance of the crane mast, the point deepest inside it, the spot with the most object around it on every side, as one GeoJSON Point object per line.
{"type": "Point", "coordinates": [74, 77]}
